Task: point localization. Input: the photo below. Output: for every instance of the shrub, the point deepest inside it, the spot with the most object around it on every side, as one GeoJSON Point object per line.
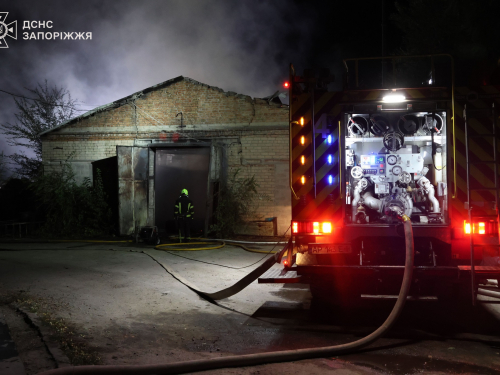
{"type": "Point", "coordinates": [71, 209]}
{"type": "Point", "coordinates": [234, 203]}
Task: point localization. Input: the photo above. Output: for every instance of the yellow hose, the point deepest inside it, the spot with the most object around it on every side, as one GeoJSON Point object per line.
{"type": "Point", "coordinates": [219, 246]}
{"type": "Point", "coordinates": [97, 241]}
{"type": "Point", "coordinates": [160, 247]}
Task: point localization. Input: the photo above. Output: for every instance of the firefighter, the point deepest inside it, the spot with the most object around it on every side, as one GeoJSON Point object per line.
{"type": "Point", "coordinates": [184, 214]}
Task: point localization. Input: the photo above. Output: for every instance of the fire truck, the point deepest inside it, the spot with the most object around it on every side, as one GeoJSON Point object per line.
{"type": "Point", "coordinates": [429, 149]}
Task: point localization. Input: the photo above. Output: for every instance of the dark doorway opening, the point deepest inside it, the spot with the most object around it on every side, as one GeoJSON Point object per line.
{"type": "Point", "coordinates": [109, 176]}
{"type": "Point", "coordinates": [177, 169]}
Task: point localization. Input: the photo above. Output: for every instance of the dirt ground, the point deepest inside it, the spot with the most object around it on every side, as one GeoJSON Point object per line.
{"type": "Point", "coordinates": [126, 308]}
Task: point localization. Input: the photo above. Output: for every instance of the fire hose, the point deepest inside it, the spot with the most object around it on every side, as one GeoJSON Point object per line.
{"type": "Point", "coordinates": [271, 357]}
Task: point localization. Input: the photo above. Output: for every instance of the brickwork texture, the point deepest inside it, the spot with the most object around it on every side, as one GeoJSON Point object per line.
{"type": "Point", "coordinates": [257, 130]}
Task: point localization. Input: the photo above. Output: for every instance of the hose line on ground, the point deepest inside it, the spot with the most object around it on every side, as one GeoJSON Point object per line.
{"type": "Point", "coordinates": [219, 244]}
{"type": "Point", "coordinates": [488, 293]}
{"type": "Point", "coordinates": [190, 246]}
{"type": "Point", "coordinates": [264, 358]}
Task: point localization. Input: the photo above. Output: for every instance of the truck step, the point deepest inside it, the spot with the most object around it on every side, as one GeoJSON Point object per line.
{"type": "Point", "coordinates": [279, 275]}
{"type": "Point", "coordinates": [390, 296]}
{"type": "Point", "coordinates": [491, 272]}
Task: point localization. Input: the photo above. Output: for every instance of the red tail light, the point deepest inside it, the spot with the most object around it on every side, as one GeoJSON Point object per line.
{"type": "Point", "coordinates": [481, 227]}
{"type": "Point", "coordinates": [308, 227]}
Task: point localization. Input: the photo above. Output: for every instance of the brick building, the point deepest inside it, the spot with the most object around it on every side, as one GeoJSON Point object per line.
{"type": "Point", "coordinates": [178, 134]}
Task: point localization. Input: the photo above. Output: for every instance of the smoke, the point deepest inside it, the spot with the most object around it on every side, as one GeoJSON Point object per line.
{"type": "Point", "coordinates": [242, 46]}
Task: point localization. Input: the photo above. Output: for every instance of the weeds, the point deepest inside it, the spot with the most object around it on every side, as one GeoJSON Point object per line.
{"type": "Point", "coordinates": [234, 203]}
{"type": "Point", "coordinates": [70, 342]}
{"type": "Point", "coordinates": [72, 209]}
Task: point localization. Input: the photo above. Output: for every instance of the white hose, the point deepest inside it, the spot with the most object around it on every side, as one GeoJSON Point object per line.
{"type": "Point", "coordinates": [357, 197]}
{"type": "Point", "coordinates": [372, 202]}
{"type": "Point", "coordinates": [429, 190]}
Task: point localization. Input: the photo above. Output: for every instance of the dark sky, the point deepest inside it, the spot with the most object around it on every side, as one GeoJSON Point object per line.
{"type": "Point", "coordinates": [243, 46]}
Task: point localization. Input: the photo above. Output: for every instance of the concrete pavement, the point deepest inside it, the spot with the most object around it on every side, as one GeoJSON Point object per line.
{"type": "Point", "coordinates": [10, 364]}
{"type": "Point", "coordinates": [133, 312]}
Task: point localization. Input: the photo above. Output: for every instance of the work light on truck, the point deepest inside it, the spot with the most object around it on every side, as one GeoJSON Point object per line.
{"type": "Point", "coordinates": [394, 98]}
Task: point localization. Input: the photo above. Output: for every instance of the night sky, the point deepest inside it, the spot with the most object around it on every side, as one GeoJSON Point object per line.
{"type": "Point", "coordinates": [241, 46]}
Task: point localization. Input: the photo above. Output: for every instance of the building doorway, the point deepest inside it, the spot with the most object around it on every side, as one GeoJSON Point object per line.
{"type": "Point", "coordinates": [176, 169]}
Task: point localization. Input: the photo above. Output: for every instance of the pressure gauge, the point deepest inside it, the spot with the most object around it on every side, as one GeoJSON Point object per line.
{"type": "Point", "coordinates": [392, 159]}
{"type": "Point", "coordinates": [397, 170]}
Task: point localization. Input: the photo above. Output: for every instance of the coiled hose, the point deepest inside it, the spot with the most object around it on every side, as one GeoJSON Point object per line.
{"type": "Point", "coordinates": [263, 358]}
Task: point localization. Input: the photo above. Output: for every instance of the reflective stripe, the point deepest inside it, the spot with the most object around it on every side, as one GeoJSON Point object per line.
{"type": "Point", "coordinates": [180, 207]}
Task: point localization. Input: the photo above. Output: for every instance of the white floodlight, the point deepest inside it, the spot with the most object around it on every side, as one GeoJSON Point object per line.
{"type": "Point", "coordinates": [394, 98]}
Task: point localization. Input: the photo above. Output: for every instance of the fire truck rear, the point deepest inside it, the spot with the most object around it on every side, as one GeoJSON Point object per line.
{"type": "Point", "coordinates": [430, 151]}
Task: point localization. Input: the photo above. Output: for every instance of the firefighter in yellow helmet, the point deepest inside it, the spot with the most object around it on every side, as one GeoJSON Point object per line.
{"type": "Point", "coordinates": [184, 214]}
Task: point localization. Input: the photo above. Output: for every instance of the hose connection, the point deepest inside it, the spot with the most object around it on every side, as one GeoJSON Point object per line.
{"type": "Point", "coordinates": [397, 212]}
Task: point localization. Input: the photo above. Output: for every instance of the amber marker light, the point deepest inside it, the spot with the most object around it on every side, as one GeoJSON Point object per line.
{"type": "Point", "coordinates": [302, 160]}
{"type": "Point", "coordinates": [301, 121]}
{"type": "Point", "coordinates": [303, 180]}
{"type": "Point", "coordinates": [326, 227]}
{"type": "Point", "coordinates": [295, 227]}
{"type": "Point", "coordinates": [302, 140]}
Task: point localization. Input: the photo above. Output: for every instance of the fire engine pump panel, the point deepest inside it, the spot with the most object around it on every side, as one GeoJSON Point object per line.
{"type": "Point", "coordinates": [396, 160]}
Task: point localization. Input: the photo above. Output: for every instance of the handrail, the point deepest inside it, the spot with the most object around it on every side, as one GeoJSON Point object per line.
{"type": "Point", "coordinates": [431, 56]}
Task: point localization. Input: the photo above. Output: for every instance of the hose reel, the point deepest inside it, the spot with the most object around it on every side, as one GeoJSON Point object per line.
{"type": "Point", "coordinates": [380, 125]}
{"type": "Point", "coordinates": [358, 125]}
{"type": "Point", "coordinates": [393, 141]}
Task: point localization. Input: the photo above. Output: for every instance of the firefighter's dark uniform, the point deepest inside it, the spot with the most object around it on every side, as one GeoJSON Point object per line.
{"type": "Point", "coordinates": [184, 214]}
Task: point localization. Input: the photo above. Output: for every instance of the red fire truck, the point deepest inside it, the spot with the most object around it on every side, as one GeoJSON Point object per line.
{"type": "Point", "coordinates": [431, 150]}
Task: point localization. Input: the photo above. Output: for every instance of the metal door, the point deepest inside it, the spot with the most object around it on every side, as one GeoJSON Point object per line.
{"type": "Point", "coordinates": [176, 169]}
{"type": "Point", "coordinates": [132, 187]}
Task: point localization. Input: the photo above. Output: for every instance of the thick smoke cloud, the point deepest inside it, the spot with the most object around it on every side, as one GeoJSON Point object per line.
{"type": "Point", "coordinates": [241, 46]}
